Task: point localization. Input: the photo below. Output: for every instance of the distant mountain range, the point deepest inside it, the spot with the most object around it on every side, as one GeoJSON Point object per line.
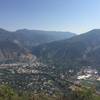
{"type": "Point", "coordinates": [73, 53]}
{"type": "Point", "coordinates": [16, 45]}
{"type": "Point", "coordinates": [30, 38]}
{"type": "Point", "coordinates": [64, 50]}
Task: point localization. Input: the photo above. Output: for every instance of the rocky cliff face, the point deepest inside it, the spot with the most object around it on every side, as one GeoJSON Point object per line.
{"type": "Point", "coordinates": [10, 51]}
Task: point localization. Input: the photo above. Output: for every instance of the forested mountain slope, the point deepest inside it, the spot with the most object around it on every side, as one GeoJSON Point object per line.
{"type": "Point", "coordinates": [81, 50]}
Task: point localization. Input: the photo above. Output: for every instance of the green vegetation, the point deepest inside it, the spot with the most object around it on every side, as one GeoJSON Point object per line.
{"type": "Point", "coordinates": [7, 93]}
{"type": "Point", "coordinates": [78, 93]}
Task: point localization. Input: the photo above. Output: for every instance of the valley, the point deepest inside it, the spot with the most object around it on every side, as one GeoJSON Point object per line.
{"type": "Point", "coordinates": [37, 77]}
{"type": "Point", "coordinates": [54, 68]}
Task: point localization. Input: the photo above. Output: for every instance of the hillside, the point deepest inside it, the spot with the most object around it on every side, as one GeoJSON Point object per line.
{"type": "Point", "coordinates": [12, 52]}
{"type": "Point", "coordinates": [78, 51]}
{"type": "Point", "coordinates": [29, 38]}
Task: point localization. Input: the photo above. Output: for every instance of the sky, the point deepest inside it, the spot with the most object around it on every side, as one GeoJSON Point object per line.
{"type": "Point", "coordinates": [76, 16]}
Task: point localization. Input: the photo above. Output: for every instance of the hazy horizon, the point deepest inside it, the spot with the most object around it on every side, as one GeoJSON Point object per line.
{"type": "Point", "coordinates": [44, 30]}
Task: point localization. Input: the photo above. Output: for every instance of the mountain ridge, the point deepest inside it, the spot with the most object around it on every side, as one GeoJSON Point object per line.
{"type": "Point", "coordinates": [74, 52]}
{"type": "Point", "coordinates": [23, 40]}
{"type": "Point", "coordinates": [31, 38]}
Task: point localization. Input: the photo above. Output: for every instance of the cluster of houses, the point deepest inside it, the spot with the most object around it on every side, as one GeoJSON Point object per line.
{"type": "Point", "coordinates": [88, 73]}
